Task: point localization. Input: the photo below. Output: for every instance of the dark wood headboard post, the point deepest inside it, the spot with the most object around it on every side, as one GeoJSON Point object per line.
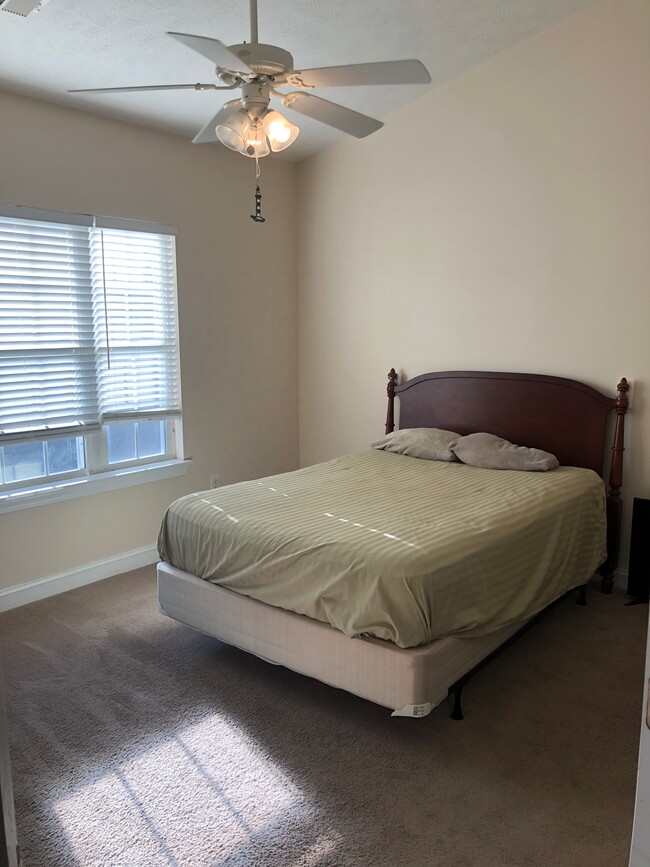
{"type": "Point", "coordinates": [390, 391]}
{"type": "Point", "coordinates": [614, 502]}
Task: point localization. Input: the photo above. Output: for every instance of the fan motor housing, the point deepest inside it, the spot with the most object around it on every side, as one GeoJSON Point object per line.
{"type": "Point", "coordinates": [263, 59]}
{"type": "Point", "coordinates": [255, 97]}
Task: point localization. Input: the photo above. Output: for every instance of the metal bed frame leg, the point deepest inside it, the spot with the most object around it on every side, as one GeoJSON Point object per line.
{"type": "Point", "coordinates": [457, 688]}
{"type": "Point", "coordinates": [457, 712]}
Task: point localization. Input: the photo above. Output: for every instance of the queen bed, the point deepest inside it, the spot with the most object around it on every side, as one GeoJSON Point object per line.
{"type": "Point", "coordinates": [393, 577]}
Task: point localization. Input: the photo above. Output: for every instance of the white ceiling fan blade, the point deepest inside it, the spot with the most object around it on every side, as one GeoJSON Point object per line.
{"type": "Point", "coordinates": [332, 114]}
{"type": "Point", "coordinates": [214, 50]}
{"type": "Point", "coordinates": [147, 87]}
{"type": "Point", "coordinates": [208, 134]}
{"type": "Point", "coordinates": [388, 72]}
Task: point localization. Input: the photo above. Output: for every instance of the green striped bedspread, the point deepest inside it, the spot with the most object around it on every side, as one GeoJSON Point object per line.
{"type": "Point", "coordinates": [396, 547]}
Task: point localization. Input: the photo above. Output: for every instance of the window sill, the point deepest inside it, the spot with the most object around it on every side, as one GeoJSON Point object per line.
{"type": "Point", "coordinates": [55, 492]}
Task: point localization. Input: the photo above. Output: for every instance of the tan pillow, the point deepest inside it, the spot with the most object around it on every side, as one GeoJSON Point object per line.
{"type": "Point", "coordinates": [493, 453]}
{"type": "Point", "coordinates": [428, 443]}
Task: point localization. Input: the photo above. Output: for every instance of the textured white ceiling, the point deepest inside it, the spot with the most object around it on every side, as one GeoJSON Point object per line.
{"type": "Point", "coordinates": [106, 43]}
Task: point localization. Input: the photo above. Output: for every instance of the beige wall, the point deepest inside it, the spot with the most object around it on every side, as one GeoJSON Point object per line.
{"type": "Point", "coordinates": [237, 311]}
{"type": "Point", "coordinates": [500, 222]}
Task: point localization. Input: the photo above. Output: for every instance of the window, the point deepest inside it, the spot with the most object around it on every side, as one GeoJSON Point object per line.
{"type": "Point", "coordinates": [30, 461]}
{"type": "Point", "coordinates": [89, 370]}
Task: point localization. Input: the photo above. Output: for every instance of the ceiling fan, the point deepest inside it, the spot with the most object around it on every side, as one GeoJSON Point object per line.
{"type": "Point", "coordinates": [247, 124]}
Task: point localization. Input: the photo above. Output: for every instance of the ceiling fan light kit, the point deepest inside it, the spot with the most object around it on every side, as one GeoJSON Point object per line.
{"type": "Point", "coordinates": [253, 129]}
{"type": "Point", "coordinates": [247, 124]}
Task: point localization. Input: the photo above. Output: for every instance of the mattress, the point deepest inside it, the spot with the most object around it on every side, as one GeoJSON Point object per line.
{"type": "Point", "coordinates": [411, 682]}
{"type": "Point", "coordinates": [398, 548]}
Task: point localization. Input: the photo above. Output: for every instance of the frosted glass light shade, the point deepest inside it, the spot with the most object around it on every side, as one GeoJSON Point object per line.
{"type": "Point", "coordinates": [253, 138]}
{"type": "Point", "coordinates": [232, 132]}
{"type": "Point", "coordinates": [280, 132]}
{"type": "Point", "coordinates": [256, 144]}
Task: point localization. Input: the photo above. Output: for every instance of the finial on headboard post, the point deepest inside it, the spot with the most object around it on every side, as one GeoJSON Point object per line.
{"type": "Point", "coordinates": [614, 502]}
{"type": "Point", "coordinates": [390, 391]}
{"type": "Point", "coordinates": [622, 401]}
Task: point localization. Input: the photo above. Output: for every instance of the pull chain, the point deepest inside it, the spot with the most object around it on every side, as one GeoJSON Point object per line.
{"type": "Point", "coordinates": [108, 343]}
{"type": "Point", "coordinates": [257, 216]}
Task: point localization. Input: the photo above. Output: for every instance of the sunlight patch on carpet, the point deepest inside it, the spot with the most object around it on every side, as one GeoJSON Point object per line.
{"type": "Point", "coordinates": [205, 792]}
{"type": "Point", "coordinates": [318, 851]}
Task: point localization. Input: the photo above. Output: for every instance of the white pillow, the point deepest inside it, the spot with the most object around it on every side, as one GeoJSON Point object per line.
{"type": "Point", "coordinates": [427, 443]}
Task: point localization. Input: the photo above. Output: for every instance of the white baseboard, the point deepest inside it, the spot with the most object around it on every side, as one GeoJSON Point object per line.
{"type": "Point", "coordinates": [620, 579]}
{"type": "Point", "coordinates": [32, 591]}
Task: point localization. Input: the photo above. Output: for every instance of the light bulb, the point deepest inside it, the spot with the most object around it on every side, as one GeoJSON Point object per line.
{"type": "Point", "coordinates": [281, 133]}
{"type": "Point", "coordinates": [255, 143]}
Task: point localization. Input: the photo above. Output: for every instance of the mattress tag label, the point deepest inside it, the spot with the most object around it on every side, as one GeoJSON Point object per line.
{"type": "Point", "coordinates": [415, 710]}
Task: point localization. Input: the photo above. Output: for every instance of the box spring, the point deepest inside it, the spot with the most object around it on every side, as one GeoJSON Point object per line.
{"type": "Point", "coordinates": [410, 681]}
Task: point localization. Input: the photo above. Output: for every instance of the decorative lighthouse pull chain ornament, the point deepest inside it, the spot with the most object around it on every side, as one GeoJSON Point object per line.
{"type": "Point", "coordinates": [257, 216]}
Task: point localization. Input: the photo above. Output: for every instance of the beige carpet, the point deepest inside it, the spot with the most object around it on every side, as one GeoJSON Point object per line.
{"type": "Point", "coordinates": [138, 742]}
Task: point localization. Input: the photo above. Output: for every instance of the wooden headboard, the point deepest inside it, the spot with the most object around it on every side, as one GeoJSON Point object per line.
{"type": "Point", "coordinates": [562, 416]}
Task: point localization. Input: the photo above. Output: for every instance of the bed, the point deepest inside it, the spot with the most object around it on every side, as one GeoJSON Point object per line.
{"type": "Point", "coordinates": [352, 572]}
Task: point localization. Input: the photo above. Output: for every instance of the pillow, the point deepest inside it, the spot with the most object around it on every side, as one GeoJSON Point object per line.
{"type": "Point", "coordinates": [493, 453]}
{"type": "Point", "coordinates": [428, 443]}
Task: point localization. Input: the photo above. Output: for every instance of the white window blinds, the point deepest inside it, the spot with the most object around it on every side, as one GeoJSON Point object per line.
{"type": "Point", "coordinates": [88, 327]}
{"type": "Point", "coordinates": [134, 283]}
{"type": "Point", "coordinates": [47, 357]}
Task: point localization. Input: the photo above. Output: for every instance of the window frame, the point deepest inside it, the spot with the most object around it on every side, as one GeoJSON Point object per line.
{"type": "Point", "coordinates": [97, 474]}
{"type": "Point", "coordinates": [47, 478]}
{"type": "Point", "coordinates": [97, 447]}
{"type": "Point", "coordinates": [99, 483]}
